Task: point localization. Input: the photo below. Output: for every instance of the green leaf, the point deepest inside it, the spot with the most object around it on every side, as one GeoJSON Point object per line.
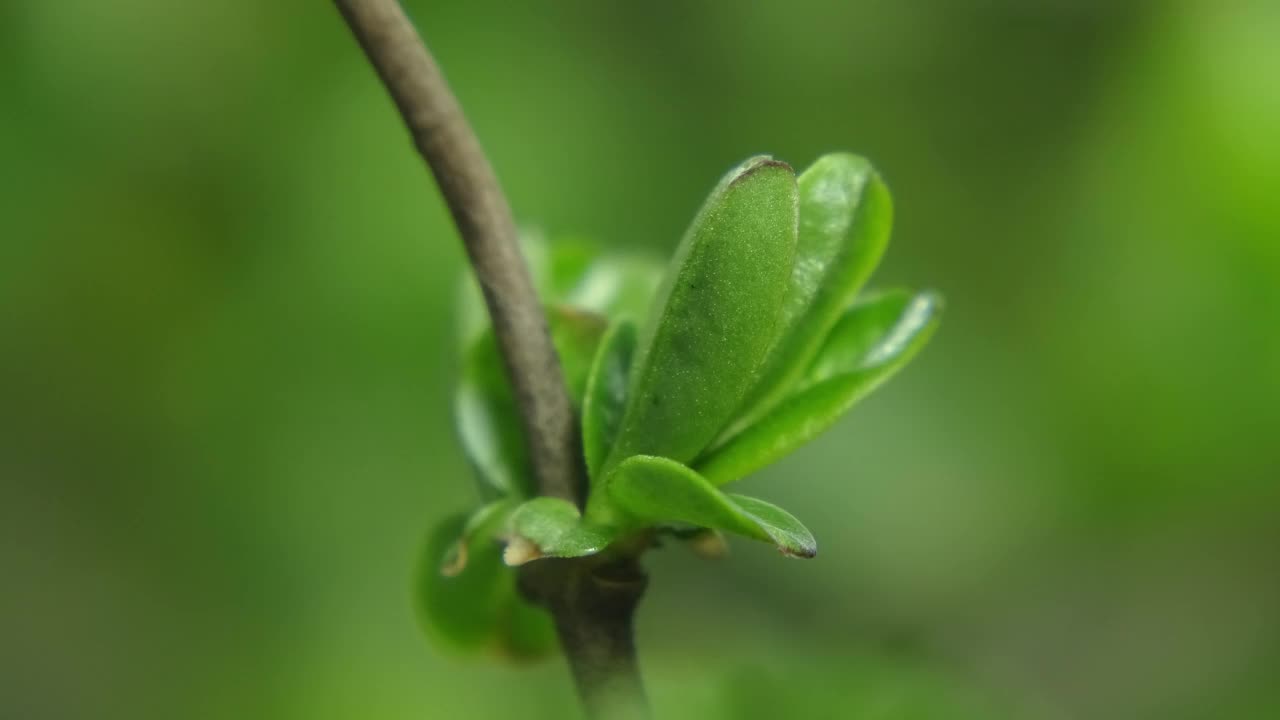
{"type": "Point", "coordinates": [871, 342]}
{"type": "Point", "coordinates": [485, 410]}
{"type": "Point", "coordinates": [482, 524]}
{"type": "Point", "coordinates": [557, 265]}
{"type": "Point", "coordinates": [573, 272]}
{"type": "Point", "coordinates": [713, 318]}
{"type": "Point", "coordinates": [552, 527]}
{"type": "Point", "coordinates": [488, 424]}
{"type": "Point", "coordinates": [661, 490]}
{"type": "Point", "coordinates": [555, 268]}
{"type": "Point", "coordinates": [873, 332]}
{"type": "Point", "coordinates": [576, 334]}
{"type": "Point", "coordinates": [788, 533]}
{"type": "Point", "coordinates": [460, 610]}
{"type": "Point", "coordinates": [525, 631]}
{"type": "Point", "coordinates": [617, 286]}
{"type": "Point", "coordinates": [474, 605]}
{"type": "Point", "coordinates": [845, 217]}
{"type": "Point", "coordinates": [606, 395]}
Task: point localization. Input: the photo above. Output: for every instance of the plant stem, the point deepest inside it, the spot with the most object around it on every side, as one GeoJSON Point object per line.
{"type": "Point", "coordinates": [483, 217]}
{"type": "Point", "coordinates": [593, 602]}
{"type": "Point", "coordinates": [593, 599]}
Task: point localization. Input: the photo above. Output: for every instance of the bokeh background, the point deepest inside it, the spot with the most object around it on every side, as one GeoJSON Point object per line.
{"type": "Point", "coordinates": [226, 300]}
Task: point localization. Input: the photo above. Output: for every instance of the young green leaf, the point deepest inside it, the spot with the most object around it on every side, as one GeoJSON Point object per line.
{"type": "Point", "coordinates": [658, 489]}
{"type": "Point", "coordinates": [713, 318]}
{"type": "Point", "coordinates": [475, 605]}
{"type": "Point", "coordinates": [459, 610]}
{"type": "Point", "coordinates": [606, 394]}
{"type": "Point", "coordinates": [482, 524]}
{"type": "Point", "coordinates": [488, 424]}
{"type": "Point", "coordinates": [551, 527]}
{"type": "Point", "coordinates": [873, 331]}
{"type": "Point", "coordinates": [525, 632]}
{"type": "Point", "coordinates": [870, 343]}
{"type": "Point", "coordinates": [617, 286]}
{"type": "Point", "coordinates": [555, 267]}
{"type": "Point", "coordinates": [573, 272]}
{"type": "Point", "coordinates": [788, 533]}
{"type": "Point", "coordinates": [576, 334]}
{"type": "Point", "coordinates": [485, 411]}
{"type": "Point", "coordinates": [845, 217]}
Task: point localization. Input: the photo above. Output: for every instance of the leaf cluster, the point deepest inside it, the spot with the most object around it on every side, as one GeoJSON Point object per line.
{"type": "Point", "coordinates": [755, 339]}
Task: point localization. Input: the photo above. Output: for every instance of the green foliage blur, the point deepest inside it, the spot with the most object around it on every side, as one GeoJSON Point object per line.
{"type": "Point", "coordinates": [227, 293]}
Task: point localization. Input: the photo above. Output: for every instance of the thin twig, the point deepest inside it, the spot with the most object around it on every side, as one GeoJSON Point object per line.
{"type": "Point", "coordinates": [592, 599]}
{"type": "Point", "coordinates": [483, 217]}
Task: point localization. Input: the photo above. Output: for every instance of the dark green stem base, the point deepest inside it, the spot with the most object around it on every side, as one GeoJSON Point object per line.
{"type": "Point", "coordinates": [593, 601]}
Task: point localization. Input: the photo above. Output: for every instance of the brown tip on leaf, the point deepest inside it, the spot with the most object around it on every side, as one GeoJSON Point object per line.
{"type": "Point", "coordinates": [709, 545]}
{"type": "Point", "coordinates": [520, 551]}
{"type": "Point", "coordinates": [455, 561]}
{"type": "Point", "coordinates": [804, 554]}
{"type": "Point", "coordinates": [757, 164]}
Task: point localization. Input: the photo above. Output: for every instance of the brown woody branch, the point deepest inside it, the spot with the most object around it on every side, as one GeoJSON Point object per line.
{"type": "Point", "coordinates": [592, 599]}
{"type": "Point", "coordinates": [483, 217]}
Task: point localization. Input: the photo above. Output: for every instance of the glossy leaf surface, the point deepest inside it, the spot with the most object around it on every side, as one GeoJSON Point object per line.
{"type": "Point", "coordinates": [551, 527]}
{"type": "Point", "coordinates": [606, 394]}
{"type": "Point", "coordinates": [714, 316]}
{"type": "Point", "coordinates": [870, 343]}
{"type": "Point", "coordinates": [657, 490]}
{"type": "Point", "coordinates": [845, 217]}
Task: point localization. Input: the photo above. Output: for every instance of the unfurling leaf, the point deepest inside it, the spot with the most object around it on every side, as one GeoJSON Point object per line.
{"type": "Point", "coordinates": [660, 490]}
{"type": "Point", "coordinates": [869, 344]}
{"type": "Point", "coordinates": [713, 317]}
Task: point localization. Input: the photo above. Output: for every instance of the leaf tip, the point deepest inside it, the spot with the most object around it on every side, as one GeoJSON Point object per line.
{"type": "Point", "coordinates": [807, 552]}
{"type": "Point", "coordinates": [755, 165]}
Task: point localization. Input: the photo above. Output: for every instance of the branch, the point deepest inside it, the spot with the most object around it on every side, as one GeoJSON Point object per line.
{"type": "Point", "coordinates": [593, 602]}
{"type": "Point", "coordinates": [480, 210]}
{"type": "Point", "coordinates": [593, 599]}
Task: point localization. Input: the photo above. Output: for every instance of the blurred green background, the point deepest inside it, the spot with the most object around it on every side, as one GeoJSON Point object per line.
{"type": "Point", "coordinates": [226, 296]}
